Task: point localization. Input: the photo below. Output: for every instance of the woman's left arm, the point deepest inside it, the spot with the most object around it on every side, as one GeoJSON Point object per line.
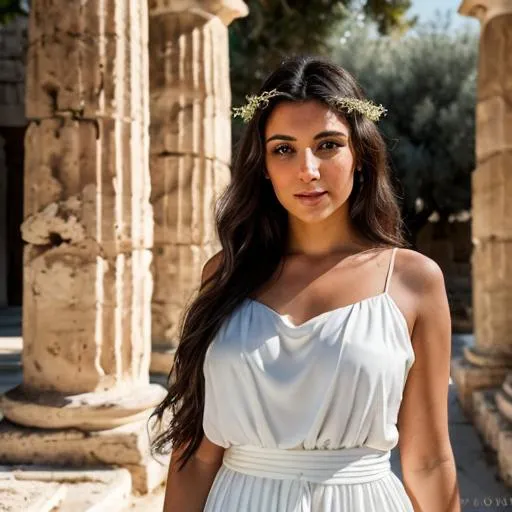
{"type": "Point", "coordinates": [428, 465]}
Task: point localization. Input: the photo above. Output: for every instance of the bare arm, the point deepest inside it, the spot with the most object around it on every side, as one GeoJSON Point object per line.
{"type": "Point", "coordinates": [428, 464]}
{"type": "Point", "coordinates": [187, 490]}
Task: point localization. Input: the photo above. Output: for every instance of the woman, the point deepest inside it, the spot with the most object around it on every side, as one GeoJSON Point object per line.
{"type": "Point", "coordinates": [316, 335]}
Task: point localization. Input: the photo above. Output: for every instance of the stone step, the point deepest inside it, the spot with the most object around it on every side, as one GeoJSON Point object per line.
{"type": "Point", "coordinates": [46, 488]}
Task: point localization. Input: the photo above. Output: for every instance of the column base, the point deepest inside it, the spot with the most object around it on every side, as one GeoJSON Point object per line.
{"type": "Point", "coordinates": [162, 359]}
{"type": "Point", "coordinates": [97, 410]}
{"type": "Point", "coordinates": [126, 446]}
{"type": "Point", "coordinates": [469, 378]}
{"type": "Point", "coordinates": [495, 429]}
{"type": "Point", "coordinates": [481, 358]}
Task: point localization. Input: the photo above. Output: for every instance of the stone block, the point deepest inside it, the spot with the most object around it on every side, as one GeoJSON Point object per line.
{"type": "Point", "coordinates": [496, 431]}
{"type": "Point", "coordinates": [121, 281]}
{"type": "Point", "coordinates": [30, 496]}
{"type": "Point", "coordinates": [94, 349]}
{"type": "Point", "coordinates": [126, 447]}
{"type": "Point", "coordinates": [187, 125]}
{"type": "Point", "coordinates": [493, 119]}
{"type": "Point", "coordinates": [190, 90]}
{"type": "Point", "coordinates": [492, 296]}
{"type": "Point", "coordinates": [486, 417]}
{"type": "Point", "coordinates": [60, 161]}
{"type": "Point", "coordinates": [495, 66]}
{"type": "Point", "coordinates": [179, 269]}
{"type": "Point", "coordinates": [88, 316]}
{"type": "Point", "coordinates": [469, 378]}
{"type": "Point", "coordinates": [491, 186]}
{"type": "Point", "coordinates": [184, 194]}
{"type": "Point", "coordinates": [505, 455]}
{"type": "Point", "coordinates": [92, 181]}
{"type": "Point", "coordinates": [87, 61]}
{"type": "Point", "coordinates": [55, 488]}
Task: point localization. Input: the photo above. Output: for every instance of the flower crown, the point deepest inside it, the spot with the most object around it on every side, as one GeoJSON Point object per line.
{"type": "Point", "coordinates": [364, 107]}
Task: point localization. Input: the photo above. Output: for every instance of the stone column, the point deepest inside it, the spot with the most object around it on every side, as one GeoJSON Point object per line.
{"type": "Point", "coordinates": [88, 227]}
{"type": "Point", "coordinates": [190, 151]}
{"type": "Point", "coordinates": [486, 365]}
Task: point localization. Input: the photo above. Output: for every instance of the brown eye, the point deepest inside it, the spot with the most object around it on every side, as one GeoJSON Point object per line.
{"type": "Point", "coordinates": [329, 145]}
{"type": "Point", "coordinates": [282, 149]}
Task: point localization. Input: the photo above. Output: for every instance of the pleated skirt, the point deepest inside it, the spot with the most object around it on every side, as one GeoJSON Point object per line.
{"type": "Point", "coordinates": [254, 479]}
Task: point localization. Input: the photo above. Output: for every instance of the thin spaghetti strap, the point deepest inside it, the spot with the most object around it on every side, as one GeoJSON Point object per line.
{"type": "Point", "coordinates": [390, 269]}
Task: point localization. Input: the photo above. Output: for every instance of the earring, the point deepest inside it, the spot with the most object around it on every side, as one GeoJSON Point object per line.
{"type": "Point", "coordinates": [361, 178]}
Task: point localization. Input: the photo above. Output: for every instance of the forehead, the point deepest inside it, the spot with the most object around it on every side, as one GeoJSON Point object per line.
{"type": "Point", "coordinates": [304, 117]}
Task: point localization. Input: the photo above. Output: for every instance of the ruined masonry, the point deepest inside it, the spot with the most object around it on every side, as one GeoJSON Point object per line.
{"type": "Point", "coordinates": [484, 375]}
{"type": "Point", "coordinates": [116, 234]}
{"type": "Point", "coordinates": [88, 230]}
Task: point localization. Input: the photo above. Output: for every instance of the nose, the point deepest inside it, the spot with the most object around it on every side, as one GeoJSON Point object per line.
{"type": "Point", "coordinates": [309, 167]}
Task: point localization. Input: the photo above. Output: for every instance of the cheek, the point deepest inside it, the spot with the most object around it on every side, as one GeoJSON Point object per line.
{"type": "Point", "coordinates": [340, 172]}
{"type": "Point", "coordinates": [281, 172]}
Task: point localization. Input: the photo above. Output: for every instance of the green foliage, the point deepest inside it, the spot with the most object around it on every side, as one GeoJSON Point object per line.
{"type": "Point", "coordinates": [9, 9]}
{"type": "Point", "coordinates": [275, 29]}
{"type": "Point", "coordinates": [427, 81]}
{"type": "Point", "coordinates": [389, 15]}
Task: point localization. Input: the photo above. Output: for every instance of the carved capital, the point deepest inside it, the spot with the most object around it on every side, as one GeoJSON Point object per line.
{"type": "Point", "coordinates": [225, 10]}
{"type": "Point", "coordinates": [485, 10]}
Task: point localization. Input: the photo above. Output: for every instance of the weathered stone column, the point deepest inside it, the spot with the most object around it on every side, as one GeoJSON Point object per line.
{"type": "Point", "coordinates": [485, 365]}
{"type": "Point", "coordinates": [190, 151]}
{"type": "Point", "coordinates": [88, 227]}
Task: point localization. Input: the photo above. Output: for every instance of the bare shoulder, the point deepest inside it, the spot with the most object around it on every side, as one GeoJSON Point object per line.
{"type": "Point", "coordinates": [211, 266]}
{"type": "Point", "coordinates": [418, 273]}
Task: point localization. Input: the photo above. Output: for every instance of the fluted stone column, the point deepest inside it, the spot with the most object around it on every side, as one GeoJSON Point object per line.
{"type": "Point", "coordinates": [88, 227]}
{"type": "Point", "coordinates": [486, 365]}
{"type": "Point", "coordinates": [190, 135]}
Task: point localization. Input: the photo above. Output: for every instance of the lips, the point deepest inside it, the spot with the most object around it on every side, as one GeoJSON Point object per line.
{"type": "Point", "coordinates": [312, 194]}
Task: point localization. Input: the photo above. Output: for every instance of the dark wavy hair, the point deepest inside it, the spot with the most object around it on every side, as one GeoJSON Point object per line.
{"type": "Point", "coordinates": [252, 227]}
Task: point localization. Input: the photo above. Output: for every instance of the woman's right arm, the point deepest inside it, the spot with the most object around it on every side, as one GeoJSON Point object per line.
{"type": "Point", "coordinates": [188, 489]}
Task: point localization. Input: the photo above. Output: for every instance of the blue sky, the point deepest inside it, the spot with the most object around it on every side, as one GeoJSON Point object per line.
{"type": "Point", "coordinates": [426, 10]}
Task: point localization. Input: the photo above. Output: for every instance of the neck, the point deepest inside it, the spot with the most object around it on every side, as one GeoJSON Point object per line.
{"type": "Point", "coordinates": [323, 238]}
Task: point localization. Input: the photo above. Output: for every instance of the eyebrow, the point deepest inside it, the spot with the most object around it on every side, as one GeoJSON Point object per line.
{"type": "Point", "coordinates": [329, 133]}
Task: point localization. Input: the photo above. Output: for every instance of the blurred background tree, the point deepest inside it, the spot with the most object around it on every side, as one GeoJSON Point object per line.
{"type": "Point", "coordinates": [11, 8]}
{"type": "Point", "coordinates": [427, 80]}
{"type": "Point", "coordinates": [278, 28]}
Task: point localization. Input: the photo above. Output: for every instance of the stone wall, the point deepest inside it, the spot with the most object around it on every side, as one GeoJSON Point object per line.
{"type": "Point", "coordinates": [13, 45]}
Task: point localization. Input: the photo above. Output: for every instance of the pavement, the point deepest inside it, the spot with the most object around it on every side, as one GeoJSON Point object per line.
{"type": "Point", "coordinates": [480, 487]}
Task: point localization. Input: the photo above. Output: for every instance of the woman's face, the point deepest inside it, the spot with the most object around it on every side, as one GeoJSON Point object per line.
{"type": "Point", "coordinates": [308, 150]}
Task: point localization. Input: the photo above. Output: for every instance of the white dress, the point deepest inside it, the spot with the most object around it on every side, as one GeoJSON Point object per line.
{"type": "Point", "coordinates": [308, 413]}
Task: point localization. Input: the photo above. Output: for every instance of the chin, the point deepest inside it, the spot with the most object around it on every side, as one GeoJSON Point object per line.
{"type": "Point", "coordinates": [311, 218]}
